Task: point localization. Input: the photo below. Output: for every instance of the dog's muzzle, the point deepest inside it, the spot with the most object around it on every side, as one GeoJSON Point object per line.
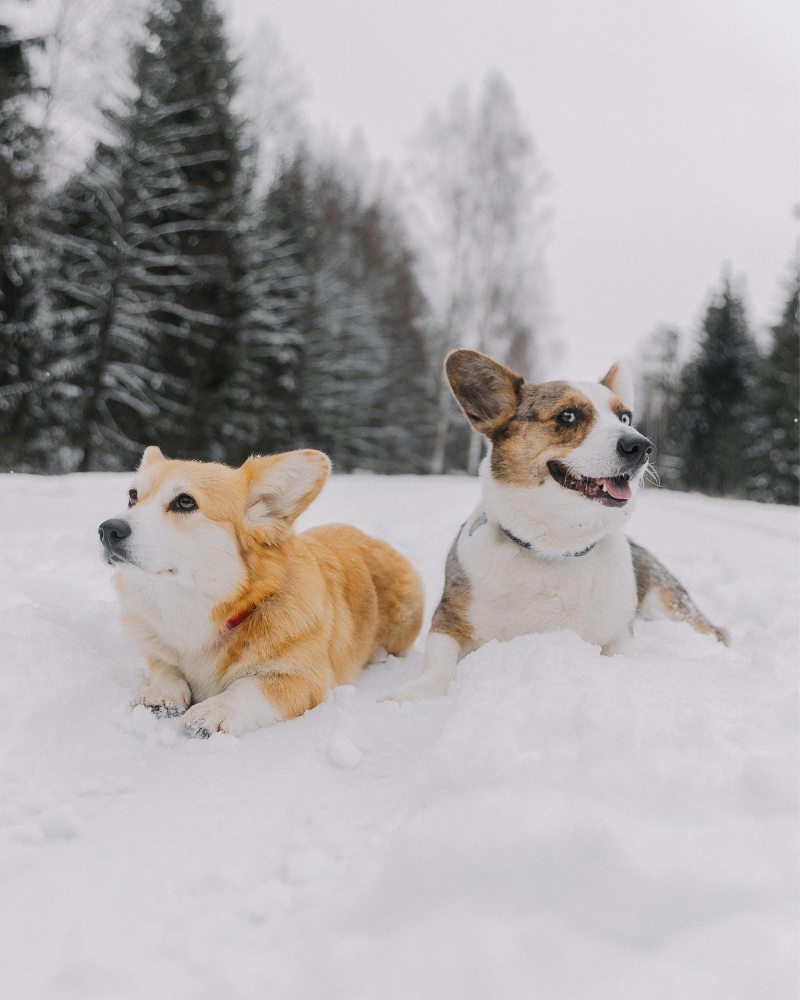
{"type": "Point", "coordinates": [114, 535]}
{"type": "Point", "coordinates": [634, 449]}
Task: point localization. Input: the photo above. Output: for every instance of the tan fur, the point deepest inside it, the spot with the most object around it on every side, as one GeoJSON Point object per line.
{"type": "Point", "coordinates": [611, 378]}
{"type": "Point", "coordinates": [659, 595]}
{"type": "Point", "coordinates": [486, 391]}
{"type": "Point", "coordinates": [320, 603]}
{"type": "Point", "coordinates": [343, 596]}
{"type": "Point", "coordinates": [518, 417]}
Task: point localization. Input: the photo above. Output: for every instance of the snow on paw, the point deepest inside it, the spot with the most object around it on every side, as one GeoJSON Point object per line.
{"type": "Point", "coordinates": [209, 716]}
{"type": "Point", "coordinates": [165, 701]}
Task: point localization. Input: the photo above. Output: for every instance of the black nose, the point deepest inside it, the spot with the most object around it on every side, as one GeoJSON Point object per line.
{"type": "Point", "coordinates": [114, 532]}
{"type": "Point", "coordinates": [635, 448]}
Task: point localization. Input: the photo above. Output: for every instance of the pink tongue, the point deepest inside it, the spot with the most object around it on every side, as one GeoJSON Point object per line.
{"type": "Point", "coordinates": [620, 489]}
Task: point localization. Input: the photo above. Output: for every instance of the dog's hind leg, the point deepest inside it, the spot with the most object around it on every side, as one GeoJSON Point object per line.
{"type": "Point", "coordinates": [661, 597]}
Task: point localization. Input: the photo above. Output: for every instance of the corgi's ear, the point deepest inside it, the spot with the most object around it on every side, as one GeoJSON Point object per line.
{"type": "Point", "coordinates": [486, 391]}
{"type": "Point", "coordinates": [152, 456]}
{"type": "Point", "coordinates": [280, 487]}
{"type": "Point", "coordinates": [619, 381]}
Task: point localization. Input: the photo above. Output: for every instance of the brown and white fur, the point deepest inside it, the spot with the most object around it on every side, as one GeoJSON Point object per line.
{"type": "Point", "coordinates": [239, 617]}
{"type": "Point", "coordinates": [545, 550]}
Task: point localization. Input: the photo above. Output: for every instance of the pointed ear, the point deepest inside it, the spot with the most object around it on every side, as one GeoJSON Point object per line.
{"type": "Point", "coordinates": [486, 391]}
{"type": "Point", "coordinates": [152, 456]}
{"type": "Point", "coordinates": [280, 487]}
{"type": "Point", "coordinates": [618, 380]}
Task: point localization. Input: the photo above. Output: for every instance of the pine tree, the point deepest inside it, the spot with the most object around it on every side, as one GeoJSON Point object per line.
{"type": "Point", "coordinates": [149, 256]}
{"type": "Point", "coordinates": [407, 409]}
{"type": "Point", "coordinates": [262, 395]}
{"type": "Point", "coordinates": [20, 145]}
{"type": "Point", "coordinates": [714, 420]}
{"type": "Point", "coordinates": [362, 375]}
{"type": "Point", "coordinates": [775, 461]}
{"type": "Point", "coordinates": [194, 189]}
{"type": "Point", "coordinates": [105, 391]}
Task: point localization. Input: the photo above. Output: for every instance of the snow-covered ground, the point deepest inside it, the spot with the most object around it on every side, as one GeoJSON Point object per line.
{"type": "Point", "coordinates": [559, 826]}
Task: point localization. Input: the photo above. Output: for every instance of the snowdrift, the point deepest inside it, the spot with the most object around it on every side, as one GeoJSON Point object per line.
{"type": "Point", "coordinates": [561, 825]}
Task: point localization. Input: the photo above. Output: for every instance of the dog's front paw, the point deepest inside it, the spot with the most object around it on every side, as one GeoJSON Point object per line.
{"type": "Point", "coordinates": [207, 717]}
{"type": "Point", "coordinates": [165, 700]}
{"type": "Point", "coordinates": [422, 689]}
{"type": "Point", "coordinates": [239, 709]}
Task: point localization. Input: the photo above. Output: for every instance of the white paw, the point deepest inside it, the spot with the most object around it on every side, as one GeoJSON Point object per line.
{"type": "Point", "coordinates": [238, 710]}
{"type": "Point", "coordinates": [422, 689]}
{"type": "Point", "coordinates": [210, 716]}
{"type": "Point", "coordinates": [379, 656]}
{"type": "Point", "coordinates": [166, 699]}
{"type": "Point", "coordinates": [621, 645]}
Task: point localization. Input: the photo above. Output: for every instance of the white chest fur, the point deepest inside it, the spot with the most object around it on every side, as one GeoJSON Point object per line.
{"type": "Point", "coordinates": [172, 622]}
{"type": "Point", "coordinates": [516, 592]}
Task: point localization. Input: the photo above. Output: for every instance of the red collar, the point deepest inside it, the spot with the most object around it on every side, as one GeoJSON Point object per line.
{"type": "Point", "coordinates": [235, 620]}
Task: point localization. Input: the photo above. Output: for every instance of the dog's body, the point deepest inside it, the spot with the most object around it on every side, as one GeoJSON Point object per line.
{"type": "Point", "coordinates": [237, 615]}
{"type": "Point", "coordinates": [545, 549]}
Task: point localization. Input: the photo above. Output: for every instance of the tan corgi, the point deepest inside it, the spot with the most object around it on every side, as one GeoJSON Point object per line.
{"type": "Point", "coordinates": [545, 548]}
{"type": "Point", "coordinates": [237, 615]}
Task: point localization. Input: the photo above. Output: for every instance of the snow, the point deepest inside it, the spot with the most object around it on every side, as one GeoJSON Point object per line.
{"type": "Point", "coordinates": [561, 825]}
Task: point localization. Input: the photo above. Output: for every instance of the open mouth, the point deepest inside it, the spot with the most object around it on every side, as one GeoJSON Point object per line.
{"type": "Point", "coordinates": [612, 491]}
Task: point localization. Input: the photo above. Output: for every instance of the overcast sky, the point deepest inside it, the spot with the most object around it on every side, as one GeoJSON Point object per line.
{"type": "Point", "coordinates": [670, 131]}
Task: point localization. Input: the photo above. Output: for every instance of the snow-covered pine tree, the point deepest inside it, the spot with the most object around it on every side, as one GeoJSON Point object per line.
{"type": "Point", "coordinates": [362, 370]}
{"type": "Point", "coordinates": [344, 363]}
{"type": "Point", "coordinates": [20, 145]}
{"type": "Point", "coordinates": [105, 392]}
{"type": "Point", "coordinates": [191, 194]}
{"type": "Point", "coordinates": [407, 410]}
{"type": "Point", "coordinates": [148, 250]}
{"type": "Point", "coordinates": [775, 455]}
{"type": "Point", "coordinates": [262, 394]}
{"type": "Point", "coordinates": [713, 423]}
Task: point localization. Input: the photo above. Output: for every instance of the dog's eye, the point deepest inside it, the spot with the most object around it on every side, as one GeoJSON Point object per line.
{"type": "Point", "coordinates": [625, 418]}
{"type": "Point", "coordinates": [183, 502]}
{"type": "Point", "coordinates": [567, 417]}
{"type": "Point", "coordinates": [133, 496]}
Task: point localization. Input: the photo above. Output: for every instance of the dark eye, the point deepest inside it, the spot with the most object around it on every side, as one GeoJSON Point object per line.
{"type": "Point", "coordinates": [567, 417]}
{"type": "Point", "coordinates": [183, 502]}
{"type": "Point", "coordinates": [133, 496]}
{"type": "Point", "coordinates": [625, 418]}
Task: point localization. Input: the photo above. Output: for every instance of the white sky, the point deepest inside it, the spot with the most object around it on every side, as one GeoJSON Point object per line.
{"type": "Point", "coordinates": [670, 131]}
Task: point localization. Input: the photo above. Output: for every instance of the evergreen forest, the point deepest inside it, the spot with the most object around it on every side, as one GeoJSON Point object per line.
{"type": "Point", "coordinates": [160, 294]}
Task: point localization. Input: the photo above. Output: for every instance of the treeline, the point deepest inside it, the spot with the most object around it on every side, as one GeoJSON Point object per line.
{"type": "Point", "coordinates": [726, 422]}
{"type": "Point", "coordinates": [154, 298]}
{"type": "Point", "coordinates": [163, 294]}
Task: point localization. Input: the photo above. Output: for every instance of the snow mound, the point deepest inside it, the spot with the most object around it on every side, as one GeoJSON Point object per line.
{"type": "Point", "coordinates": [560, 825]}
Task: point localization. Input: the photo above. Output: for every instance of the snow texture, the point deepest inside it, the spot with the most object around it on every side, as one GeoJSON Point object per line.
{"type": "Point", "coordinates": [560, 825]}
